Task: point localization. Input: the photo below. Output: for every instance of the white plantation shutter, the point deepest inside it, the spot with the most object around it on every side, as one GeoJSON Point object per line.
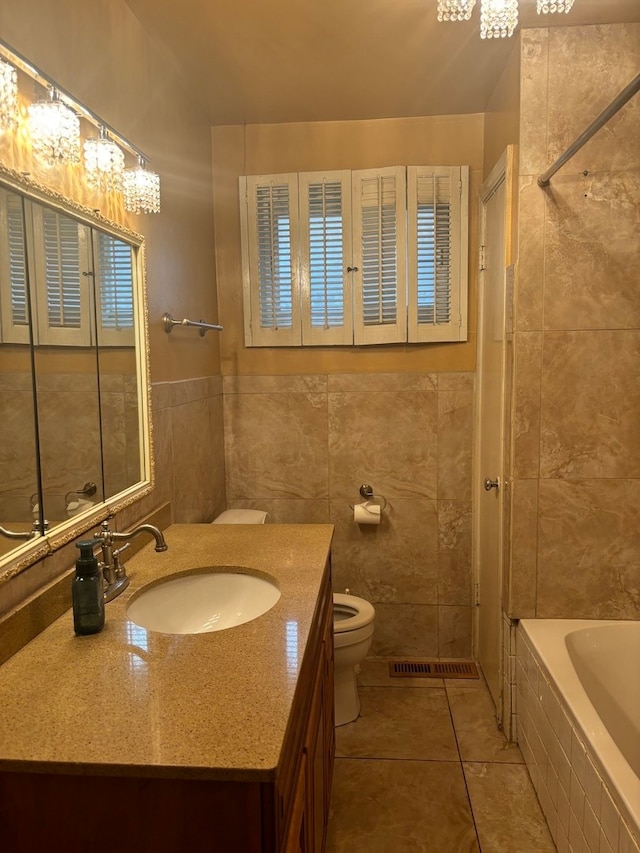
{"type": "Point", "coordinates": [14, 304]}
{"type": "Point", "coordinates": [379, 241]}
{"type": "Point", "coordinates": [63, 285]}
{"type": "Point", "coordinates": [325, 253]}
{"type": "Point", "coordinates": [437, 246]}
{"type": "Point", "coordinates": [270, 239]}
{"type": "Point", "coordinates": [113, 261]}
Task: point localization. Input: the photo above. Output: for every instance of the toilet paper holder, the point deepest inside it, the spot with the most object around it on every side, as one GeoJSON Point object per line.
{"type": "Point", "coordinates": [367, 493]}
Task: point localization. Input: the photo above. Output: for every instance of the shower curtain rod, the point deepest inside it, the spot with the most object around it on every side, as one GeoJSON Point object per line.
{"type": "Point", "coordinates": [619, 101]}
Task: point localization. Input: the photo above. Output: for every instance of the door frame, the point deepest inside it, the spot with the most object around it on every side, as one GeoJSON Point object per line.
{"type": "Point", "coordinates": [502, 172]}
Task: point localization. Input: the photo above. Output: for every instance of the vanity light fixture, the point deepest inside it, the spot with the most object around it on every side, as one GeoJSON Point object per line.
{"type": "Point", "coordinates": [104, 162]}
{"type": "Point", "coordinates": [8, 96]}
{"type": "Point", "coordinates": [141, 188]}
{"type": "Point", "coordinates": [55, 130]}
{"type": "Point", "coordinates": [455, 10]}
{"type": "Point", "coordinates": [547, 6]}
{"type": "Point", "coordinates": [498, 18]}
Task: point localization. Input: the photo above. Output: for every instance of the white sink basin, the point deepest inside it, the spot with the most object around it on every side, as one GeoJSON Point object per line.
{"type": "Point", "coordinates": [198, 603]}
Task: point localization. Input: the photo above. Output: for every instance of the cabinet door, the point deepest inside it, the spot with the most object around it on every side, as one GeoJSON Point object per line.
{"type": "Point", "coordinates": [298, 831]}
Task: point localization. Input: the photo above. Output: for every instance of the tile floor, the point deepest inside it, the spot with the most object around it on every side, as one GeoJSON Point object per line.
{"type": "Point", "coordinates": [424, 770]}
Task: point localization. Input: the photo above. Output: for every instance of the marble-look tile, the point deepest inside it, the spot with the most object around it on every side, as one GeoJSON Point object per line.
{"type": "Point", "coordinates": [276, 445]}
{"type": "Point", "coordinates": [392, 434]}
{"type": "Point", "coordinates": [395, 561]}
{"type": "Point", "coordinates": [161, 395]}
{"type": "Point", "coordinates": [592, 252]}
{"type": "Point", "coordinates": [190, 390]}
{"type": "Point", "coordinates": [524, 549]}
{"type": "Point", "coordinates": [526, 400]}
{"type": "Point", "coordinates": [391, 725]}
{"type": "Point", "coordinates": [196, 453]}
{"type": "Point", "coordinates": [404, 807]}
{"type": "Point", "coordinates": [455, 443]}
{"type": "Point", "coordinates": [454, 552]}
{"type": "Point", "coordinates": [534, 94]}
{"type": "Point", "coordinates": [454, 631]}
{"type": "Point", "coordinates": [456, 381]}
{"type": "Point", "coordinates": [163, 456]}
{"type": "Point", "coordinates": [294, 511]}
{"type": "Point", "coordinates": [374, 672]}
{"type": "Point", "coordinates": [528, 295]}
{"type": "Point", "coordinates": [582, 82]}
{"type": "Point", "coordinates": [474, 720]}
{"type": "Point", "coordinates": [588, 551]}
{"type": "Point", "coordinates": [376, 382]}
{"type": "Point", "coordinates": [405, 629]}
{"type": "Point", "coordinates": [505, 809]}
{"type": "Point", "coordinates": [296, 384]}
{"type": "Point", "coordinates": [590, 405]}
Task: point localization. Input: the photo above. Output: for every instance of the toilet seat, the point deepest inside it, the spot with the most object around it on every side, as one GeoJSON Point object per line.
{"type": "Point", "coordinates": [355, 612]}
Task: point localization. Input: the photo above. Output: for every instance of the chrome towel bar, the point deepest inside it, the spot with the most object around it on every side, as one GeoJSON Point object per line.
{"type": "Point", "coordinates": [169, 323]}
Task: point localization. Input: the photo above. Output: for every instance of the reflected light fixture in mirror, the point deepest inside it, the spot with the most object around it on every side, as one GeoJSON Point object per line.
{"type": "Point", "coordinates": [547, 6]}
{"type": "Point", "coordinates": [55, 130]}
{"type": "Point", "coordinates": [455, 10]}
{"type": "Point", "coordinates": [141, 189]}
{"type": "Point", "coordinates": [8, 96]}
{"type": "Point", "coordinates": [103, 162]}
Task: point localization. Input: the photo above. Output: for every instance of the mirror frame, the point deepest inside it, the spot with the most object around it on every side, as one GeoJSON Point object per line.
{"type": "Point", "coordinates": [32, 551]}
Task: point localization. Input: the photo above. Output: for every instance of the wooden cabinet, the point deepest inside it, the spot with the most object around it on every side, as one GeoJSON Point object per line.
{"type": "Point", "coordinates": [171, 815]}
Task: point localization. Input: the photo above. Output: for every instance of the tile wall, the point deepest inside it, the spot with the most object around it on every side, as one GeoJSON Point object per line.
{"type": "Point", "coordinates": [301, 446]}
{"type": "Point", "coordinates": [582, 813]}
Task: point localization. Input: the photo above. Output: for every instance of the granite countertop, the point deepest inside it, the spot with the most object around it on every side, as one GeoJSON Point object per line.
{"type": "Point", "coordinates": [133, 702]}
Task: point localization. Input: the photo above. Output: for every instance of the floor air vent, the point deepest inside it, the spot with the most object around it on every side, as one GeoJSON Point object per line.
{"type": "Point", "coordinates": [432, 669]}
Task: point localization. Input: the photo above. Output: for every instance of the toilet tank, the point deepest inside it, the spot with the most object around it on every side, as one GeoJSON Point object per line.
{"type": "Point", "coordinates": [241, 516]}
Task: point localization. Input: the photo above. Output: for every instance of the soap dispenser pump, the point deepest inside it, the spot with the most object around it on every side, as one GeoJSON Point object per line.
{"type": "Point", "coordinates": [87, 592]}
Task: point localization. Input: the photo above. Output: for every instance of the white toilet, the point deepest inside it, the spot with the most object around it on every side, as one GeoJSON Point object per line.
{"type": "Point", "coordinates": [353, 620]}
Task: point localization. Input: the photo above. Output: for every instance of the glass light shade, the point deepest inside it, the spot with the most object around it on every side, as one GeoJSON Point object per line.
{"type": "Point", "coordinates": [455, 10]}
{"type": "Point", "coordinates": [8, 96]}
{"type": "Point", "coordinates": [55, 131]}
{"type": "Point", "coordinates": [546, 6]}
{"type": "Point", "coordinates": [104, 163]}
{"type": "Point", "coordinates": [498, 18]}
{"type": "Point", "coordinates": [141, 188]}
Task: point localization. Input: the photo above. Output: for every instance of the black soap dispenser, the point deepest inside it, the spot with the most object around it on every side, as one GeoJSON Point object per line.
{"type": "Point", "coordinates": [87, 592]}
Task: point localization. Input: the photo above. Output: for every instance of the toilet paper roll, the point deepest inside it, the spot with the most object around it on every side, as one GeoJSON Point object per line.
{"type": "Point", "coordinates": [366, 513]}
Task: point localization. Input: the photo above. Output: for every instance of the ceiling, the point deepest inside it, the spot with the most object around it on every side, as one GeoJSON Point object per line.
{"type": "Point", "coordinates": [254, 61]}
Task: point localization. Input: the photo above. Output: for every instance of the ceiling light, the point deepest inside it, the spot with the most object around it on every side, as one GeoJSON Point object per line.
{"type": "Point", "coordinates": [546, 6]}
{"type": "Point", "coordinates": [8, 96]}
{"type": "Point", "coordinates": [55, 130]}
{"type": "Point", "coordinates": [498, 18]}
{"type": "Point", "coordinates": [455, 10]}
{"type": "Point", "coordinates": [141, 189]}
{"type": "Point", "coordinates": [104, 162]}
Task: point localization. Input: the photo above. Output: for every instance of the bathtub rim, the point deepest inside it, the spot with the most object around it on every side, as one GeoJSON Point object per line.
{"type": "Point", "coordinates": [545, 638]}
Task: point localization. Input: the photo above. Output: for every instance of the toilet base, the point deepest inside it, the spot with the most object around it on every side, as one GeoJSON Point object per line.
{"type": "Point", "coordinates": [346, 699]}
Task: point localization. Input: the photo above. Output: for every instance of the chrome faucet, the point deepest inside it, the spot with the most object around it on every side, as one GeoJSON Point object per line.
{"type": "Point", "coordinates": [26, 535]}
{"type": "Point", "coordinates": [113, 571]}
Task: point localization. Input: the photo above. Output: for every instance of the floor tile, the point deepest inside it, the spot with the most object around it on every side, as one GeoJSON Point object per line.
{"type": "Point", "coordinates": [474, 721]}
{"type": "Point", "coordinates": [505, 809]}
{"type": "Point", "coordinates": [399, 807]}
{"type": "Point", "coordinates": [399, 723]}
{"type": "Point", "coordinates": [374, 672]}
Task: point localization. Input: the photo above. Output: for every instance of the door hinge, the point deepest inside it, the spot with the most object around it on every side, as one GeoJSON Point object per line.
{"type": "Point", "coordinates": [476, 594]}
{"type": "Point", "coordinates": [481, 259]}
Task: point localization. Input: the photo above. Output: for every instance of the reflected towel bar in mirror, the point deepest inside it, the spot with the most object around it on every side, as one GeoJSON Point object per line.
{"type": "Point", "coordinates": [169, 323]}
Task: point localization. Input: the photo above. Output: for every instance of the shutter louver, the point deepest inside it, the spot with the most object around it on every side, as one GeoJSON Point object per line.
{"type": "Point", "coordinates": [114, 283]}
{"type": "Point", "coordinates": [325, 252]}
{"type": "Point", "coordinates": [380, 248]}
{"type": "Point", "coordinates": [17, 261]}
{"type": "Point", "coordinates": [62, 270]}
{"type": "Point", "coordinates": [437, 203]}
{"type": "Point", "coordinates": [270, 251]}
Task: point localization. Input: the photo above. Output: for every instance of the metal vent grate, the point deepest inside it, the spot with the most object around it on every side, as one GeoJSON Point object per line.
{"type": "Point", "coordinates": [432, 669]}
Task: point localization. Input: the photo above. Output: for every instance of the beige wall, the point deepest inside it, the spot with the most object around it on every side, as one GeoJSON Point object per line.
{"type": "Point", "coordinates": [276, 148]}
{"type": "Point", "coordinates": [502, 116]}
{"type": "Point", "coordinates": [576, 444]}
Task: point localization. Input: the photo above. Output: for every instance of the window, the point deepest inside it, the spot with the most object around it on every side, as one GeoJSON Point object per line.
{"type": "Point", "coordinates": [363, 257]}
{"type": "Point", "coordinates": [64, 274]}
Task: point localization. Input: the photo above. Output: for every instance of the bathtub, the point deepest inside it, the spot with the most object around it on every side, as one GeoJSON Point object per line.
{"type": "Point", "coordinates": [578, 725]}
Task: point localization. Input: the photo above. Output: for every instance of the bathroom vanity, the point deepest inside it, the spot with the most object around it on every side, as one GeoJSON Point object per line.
{"type": "Point", "coordinates": [139, 740]}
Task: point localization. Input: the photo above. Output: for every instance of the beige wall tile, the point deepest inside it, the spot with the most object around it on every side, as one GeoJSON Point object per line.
{"type": "Point", "coordinates": [590, 404]}
{"type": "Point", "coordinates": [528, 296]}
{"type": "Point", "coordinates": [405, 629]}
{"type": "Point", "coordinates": [589, 542]}
{"type": "Point", "coordinates": [533, 101]}
{"type": "Point", "coordinates": [293, 511]}
{"type": "Point", "coordinates": [454, 631]}
{"type": "Point", "coordinates": [521, 602]}
{"type": "Point", "coordinates": [592, 257]}
{"type": "Point", "coordinates": [390, 434]}
{"type": "Point", "coordinates": [373, 382]}
{"type": "Point", "coordinates": [526, 404]}
{"type": "Point", "coordinates": [455, 444]}
{"type": "Point", "coordinates": [314, 384]}
{"type": "Point", "coordinates": [454, 552]}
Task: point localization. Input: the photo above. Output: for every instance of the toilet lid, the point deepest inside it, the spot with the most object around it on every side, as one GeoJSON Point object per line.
{"type": "Point", "coordinates": [351, 612]}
